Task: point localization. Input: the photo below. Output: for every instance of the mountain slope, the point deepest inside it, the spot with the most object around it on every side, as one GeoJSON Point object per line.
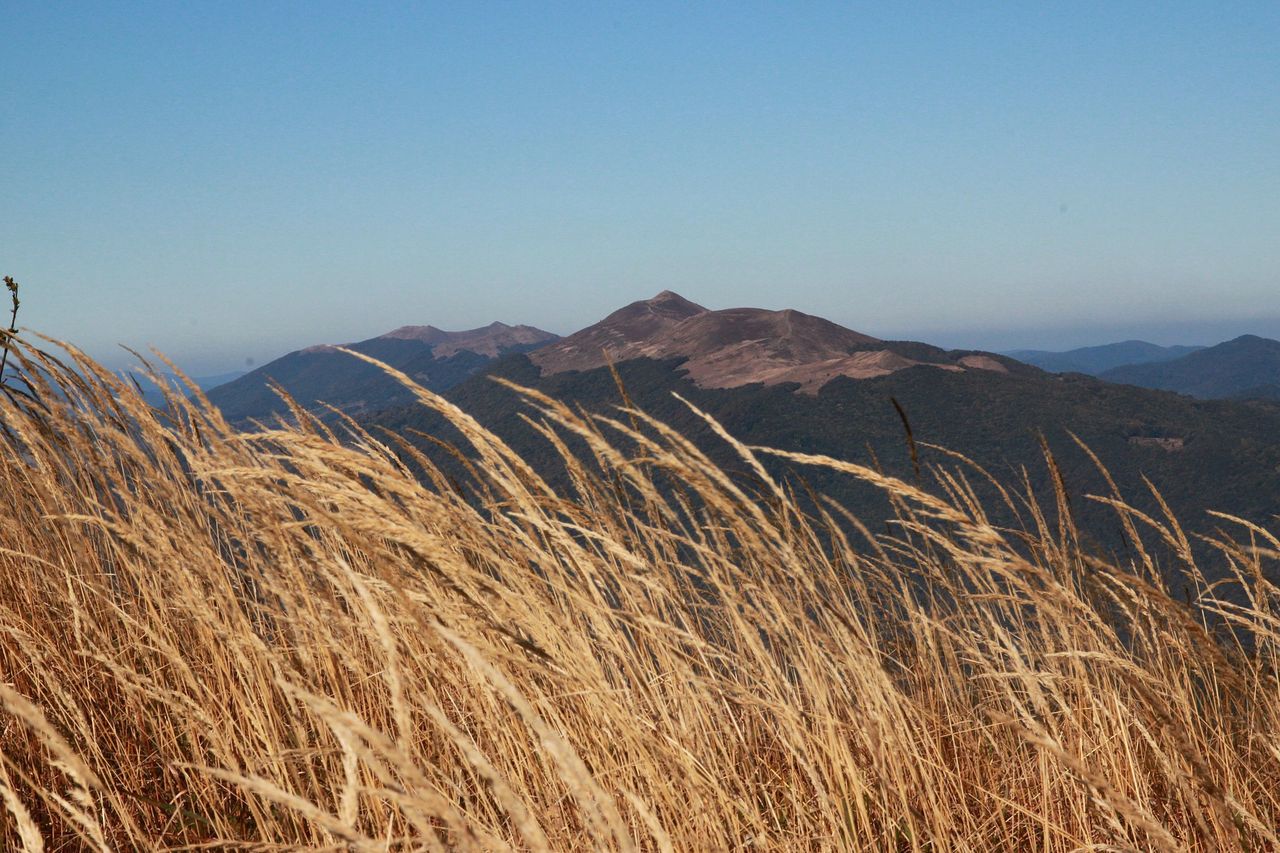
{"type": "Point", "coordinates": [742, 346]}
{"type": "Point", "coordinates": [1095, 360]}
{"type": "Point", "coordinates": [1248, 366]}
{"type": "Point", "coordinates": [1200, 454]}
{"type": "Point", "coordinates": [321, 374]}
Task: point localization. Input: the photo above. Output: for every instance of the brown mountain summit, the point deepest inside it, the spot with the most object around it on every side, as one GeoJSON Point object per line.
{"type": "Point", "coordinates": [640, 329]}
{"type": "Point", "coordinates": [434, 358]}
{"type": "Point", "coordinates": [740, 346]}
{"type": "Point", "coordinates": [490, 340]}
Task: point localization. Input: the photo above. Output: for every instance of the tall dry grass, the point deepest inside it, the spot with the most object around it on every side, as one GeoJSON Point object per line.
{"type": "Point", "coordinates": [210, 638]}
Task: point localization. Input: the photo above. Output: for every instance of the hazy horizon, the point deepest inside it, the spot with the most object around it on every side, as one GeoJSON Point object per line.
{"type": "Point", "coordinates": [232, 182]}
{"type": "Point", "coordinates": [1194, 333]}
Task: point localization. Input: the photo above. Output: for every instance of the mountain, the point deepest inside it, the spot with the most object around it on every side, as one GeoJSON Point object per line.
{"type": "Point", "coordinates": [743, 346]}
{"type": "Point", "coordinates": [1248, 366]}
{"type": "Point", "coordinates": [763, 375]}
{"type": "Point", "coordinates": [435, 358]}
{"type": "Point", "coordinates": [1095, 360]}
{"type": "Point", "coordinates": [492, 341]}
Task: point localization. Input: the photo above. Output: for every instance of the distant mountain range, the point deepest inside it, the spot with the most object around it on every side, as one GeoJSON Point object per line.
{"type": "Point", "coordinates": [798, 382]}
{"type": "Point", "coordinates": [720, 349]}
{"type": "Point", "coordinates": [1099, 359]}
{"type": "Point", "coordinates": [727, 348]}
{"type": "Point", "coordinates": [318, 375]}
{"type": "Point", "coordinates": [1246, 367]}
{"type": "Point", "coordinates": [788, 380]}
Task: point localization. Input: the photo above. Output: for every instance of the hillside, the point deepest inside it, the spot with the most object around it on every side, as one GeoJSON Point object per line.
{"type": "Point", "coordinates": [1098, 359]}
{"type": "Point", "coordinates": [321, 374]}
{"type": "Point", "coordinates": [1200, 454]}
{"type": "Point", "coordinates": [1247, 366]}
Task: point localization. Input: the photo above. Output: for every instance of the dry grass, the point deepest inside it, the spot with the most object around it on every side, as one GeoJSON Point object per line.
{"type": "Point", "coordinates": [283, 639]}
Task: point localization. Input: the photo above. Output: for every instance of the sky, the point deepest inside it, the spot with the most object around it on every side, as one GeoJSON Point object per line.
{"type": "Point", "coordinates": [230, 181]}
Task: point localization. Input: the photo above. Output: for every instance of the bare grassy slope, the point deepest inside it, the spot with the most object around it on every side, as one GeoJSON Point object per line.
{"type": "Point", "coordinates": [282, 639]}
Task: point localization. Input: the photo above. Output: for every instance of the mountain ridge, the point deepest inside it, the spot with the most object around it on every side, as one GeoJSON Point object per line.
{"type": "Point", "coordinates": [1094, 360]}
{"type": "Point", "coordinates": [1245, 366]}
{"type": "Point", "coordinates": [322, 375]}
{"type": "Point", "coordinates": [731, 347]}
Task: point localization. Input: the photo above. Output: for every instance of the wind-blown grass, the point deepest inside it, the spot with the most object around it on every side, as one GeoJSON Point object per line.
{"type": "Point", "coordinates": [285, 638]}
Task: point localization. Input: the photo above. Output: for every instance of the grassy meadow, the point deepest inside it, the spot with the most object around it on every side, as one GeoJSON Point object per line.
{"type": "Point", "coordinates": [312, 636]}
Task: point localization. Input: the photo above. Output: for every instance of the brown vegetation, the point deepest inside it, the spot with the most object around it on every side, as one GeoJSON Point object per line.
{"type": "Point", "coordinates": [285, 638]}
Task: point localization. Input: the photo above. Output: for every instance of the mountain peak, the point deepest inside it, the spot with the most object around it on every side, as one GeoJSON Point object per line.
{"type": "Point", "coordinates": [434, 358]}
{"type": "Point", "coordinates": [671, 298]}
{"type": "Point", "coordinates": [739, 346]}
{"type": "Point", "coordinates": [668, 303]}
{"type": "Point", "coordinates": [426, 334]}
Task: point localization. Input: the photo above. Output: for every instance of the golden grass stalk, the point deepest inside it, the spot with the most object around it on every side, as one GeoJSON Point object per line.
{"type": "Point", "coordinates": [263, 640]}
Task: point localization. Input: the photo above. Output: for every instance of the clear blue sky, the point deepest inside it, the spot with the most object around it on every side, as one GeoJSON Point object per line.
{"type": "Point", "coordinates": [230, 181]}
